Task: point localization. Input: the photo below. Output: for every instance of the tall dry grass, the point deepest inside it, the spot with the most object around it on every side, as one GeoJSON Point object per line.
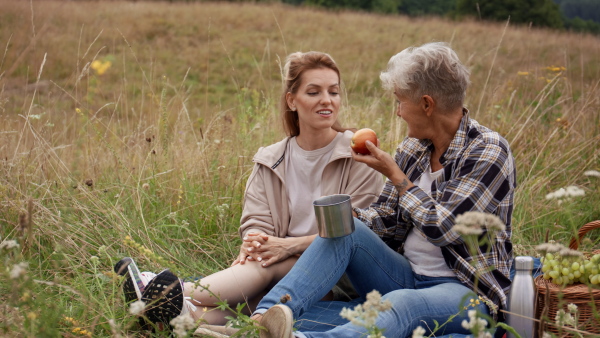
{"type": "Point", "coordinates": [157, 145]}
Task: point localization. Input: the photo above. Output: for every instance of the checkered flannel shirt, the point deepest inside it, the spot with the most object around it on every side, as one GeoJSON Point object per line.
{"type": "Point", "coordinates": [478, 175]}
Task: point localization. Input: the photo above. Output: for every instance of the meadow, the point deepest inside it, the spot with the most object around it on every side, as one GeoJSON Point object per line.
{"type": "Point", "coordinates": [128, 129]}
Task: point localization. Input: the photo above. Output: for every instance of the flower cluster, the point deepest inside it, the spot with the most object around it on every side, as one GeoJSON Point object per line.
{"type": "Point", "coordinates": [473, 223]}
{"type": "Point", "coordinates": [474, 302]}
{"type": "Point", "coordinates": [77, 329]}
{"type": "Point", "coordinates": [9, 244]}
{"type": "Point", "coordinates": [182, 324]}
{"type": "Point", "coordinates": [476, 325]}
{"type": "Point", "coordinates": [563, 318]}
{"type": "Point", "coordinates": [594, 173]}
{"type": "Point", "coordinates": [100, 66]}
{"type": "Point", "coordinates": [365, 314]}
{"type": "Point", "coordinates": [144, 251]}
{"type": "Point", "coordinates": [137, 308]}
{"type": "Point", "coordinates": [570, 191]}
{"type": "Point", "coordinates": [419, 332]}
{"type": "Point", "coordinates": [18, 270]}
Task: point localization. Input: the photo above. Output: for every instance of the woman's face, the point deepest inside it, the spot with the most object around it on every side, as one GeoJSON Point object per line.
{"type": "Point", "coordinates": [412, 112]}
{"type": "Point", "coordinates": [317, 100]}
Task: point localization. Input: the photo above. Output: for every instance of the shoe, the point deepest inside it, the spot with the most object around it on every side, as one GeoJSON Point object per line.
{"type": "Point", "coordinates": [220, 329]}
{"type": "Point", "coordinates": [278, 322]}
{"type": "Point", "coordinates": [135, 281]}
{"type": "Point", "coordinates": [214, 331]}
{"type": "Point", "coordinates": [164, 298]}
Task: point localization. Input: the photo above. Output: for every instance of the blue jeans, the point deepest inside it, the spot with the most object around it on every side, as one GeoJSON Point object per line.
{"type": "Point", "coordinates": [371, 265]}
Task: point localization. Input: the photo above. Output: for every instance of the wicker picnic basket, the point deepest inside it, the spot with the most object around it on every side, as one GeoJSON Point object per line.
{"type": "Point", "coordinates": [550, 298]}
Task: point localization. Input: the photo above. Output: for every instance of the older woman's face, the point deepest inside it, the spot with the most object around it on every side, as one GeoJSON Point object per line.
{"type": "Point", "coordinates": [412, 113]}
{"type": "Point", "coordinates": [317, 99]}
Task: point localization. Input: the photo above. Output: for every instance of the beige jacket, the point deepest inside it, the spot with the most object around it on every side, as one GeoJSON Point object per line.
{"type": "Point", "coordinates": [266, 206]}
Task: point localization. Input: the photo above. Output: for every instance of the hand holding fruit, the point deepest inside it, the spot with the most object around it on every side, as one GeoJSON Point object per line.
{"type": "Point", "coordinates": [370, 154]}
{"type": "Point", "coordinates": [358, 143]}
{"type": "Point", "coordinates": [377, 159]}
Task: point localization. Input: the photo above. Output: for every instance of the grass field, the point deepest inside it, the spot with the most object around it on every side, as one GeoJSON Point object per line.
{"type": "Point", "coordinates": [140, 119]}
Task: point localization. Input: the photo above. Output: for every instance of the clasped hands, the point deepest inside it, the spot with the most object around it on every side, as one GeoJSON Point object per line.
{"type": "Point", "coordinates": [262, 248]}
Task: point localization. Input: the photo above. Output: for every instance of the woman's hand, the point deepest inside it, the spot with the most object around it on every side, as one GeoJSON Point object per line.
{"type": "Point", "coordinates": [269, 250]}
{"type": "Point", "coordinates": [377, 159]}
{"type": "Point", "coordinates": [385, 164]}
{"type": "Point", "coordinates": [251, 242]}
{"type": "Point", "coordinates": [275, 250]}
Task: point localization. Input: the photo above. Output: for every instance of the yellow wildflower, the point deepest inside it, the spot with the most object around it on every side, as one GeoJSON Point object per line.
{"type": "Point", "coordinates": [100, 66]}
{"type": "Point", "coordinates": [522, 73]}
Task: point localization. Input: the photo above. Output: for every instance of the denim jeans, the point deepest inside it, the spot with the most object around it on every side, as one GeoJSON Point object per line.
{"type": "Point", "coordinates": [371, 265]}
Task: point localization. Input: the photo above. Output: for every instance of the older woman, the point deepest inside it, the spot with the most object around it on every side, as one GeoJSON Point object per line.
{"type": "Point", "coordinates": [404, 245]}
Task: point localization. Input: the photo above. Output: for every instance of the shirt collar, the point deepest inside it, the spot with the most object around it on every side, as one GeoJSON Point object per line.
{"type": "Point", "coordinates": [459, 140]}
{"type": "Point", "coordinates": [457, 143]}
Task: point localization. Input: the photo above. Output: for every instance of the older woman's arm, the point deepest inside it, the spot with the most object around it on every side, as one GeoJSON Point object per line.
{"type": "Point", "coordinates": [483, 180]}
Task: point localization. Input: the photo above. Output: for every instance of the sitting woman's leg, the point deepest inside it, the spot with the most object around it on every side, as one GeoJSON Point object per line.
{"type": "Point", "coordinates": [370, 264]}
{"type": "Point", "coordinates": [240, 284]}
{"type": "Point", "coordinates": [412, 308]}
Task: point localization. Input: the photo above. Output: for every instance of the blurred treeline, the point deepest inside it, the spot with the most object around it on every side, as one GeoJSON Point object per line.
{"type": "Point", "coordinates": [574, 15]}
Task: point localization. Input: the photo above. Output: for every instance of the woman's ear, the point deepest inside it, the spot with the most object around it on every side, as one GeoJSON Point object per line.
{"type": "Point", "coordinates": [428, 104]}
{"type": "Point", "coordinates": [289, 98]}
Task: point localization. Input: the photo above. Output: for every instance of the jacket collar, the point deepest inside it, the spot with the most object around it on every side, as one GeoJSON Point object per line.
{"type": "Point", "coordinates": [274, 154]}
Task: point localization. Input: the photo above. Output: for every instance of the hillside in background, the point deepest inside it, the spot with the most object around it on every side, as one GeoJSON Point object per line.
{"type": "Point", "coordinates": [576, 15]}
{"type": "Point", "coordinates": [583, 9]}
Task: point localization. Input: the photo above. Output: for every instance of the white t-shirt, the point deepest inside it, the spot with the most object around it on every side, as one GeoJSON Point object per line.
{"type": "Point", "coordinates": [303, 173]}
{"type": "Point", "coordinates": [425, 258]}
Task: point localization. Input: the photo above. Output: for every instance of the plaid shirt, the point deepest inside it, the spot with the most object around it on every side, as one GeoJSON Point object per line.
{"type": "Point", "coordinates": [478, 175]}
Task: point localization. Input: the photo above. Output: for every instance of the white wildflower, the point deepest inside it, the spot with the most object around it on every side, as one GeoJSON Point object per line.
{"type": "Point", "coordinates": [466, 230]}
{"type": "Point", "coordinates": [560, 193]}
{"type": "Point", "coordinates": [419, 332]}
{"type": "Point", "coordinates": [182, 324]}
{"type": "Point", "coordinates": [550, 247]}
{"type": "Point", "coordinates": [572, 308]}
{"type": "Point", "coordinates": [546, 335]}
{"type": "Point", "coordinates": [222, 209]}
{"type": "Point", "coordinates": [563, 318]}
{"type": "Point", "coordinates": [566, 252]}
{"type": "Point", "coordinates": [592, 173]}
{"type": "Point", "coordinates": [136, 308]}
{"type": "Point", "coordinates": [474, 222]}
{"type": "Point", "coordinates": [9, 244]}
{"type": "Point", "coordinates": [365, 315]}
{"type": "Point", "coordinates": [114, 328]}
{"type": "Point", "coordinates": [172, 216]}
{"type": "Point", "coordinates": [570, 191]}
{"type": "Point", "coordinates": [475, 324]}
{"type": "Point", "coordinates": [95, 260]}
{"type": "Point", "coordinates": [18, 270]}
{"type": "Point", "coordinates": [494, 223]}
{"type": "Point", "coordinates": [575, 191]}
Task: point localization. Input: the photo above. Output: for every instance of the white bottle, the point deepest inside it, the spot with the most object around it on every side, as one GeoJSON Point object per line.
{"type": "Point", "coordinates": [522, 298]}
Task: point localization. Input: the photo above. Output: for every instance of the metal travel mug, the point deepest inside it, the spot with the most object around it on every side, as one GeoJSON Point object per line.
{"type": "Point", "coordinates": [334, 216]}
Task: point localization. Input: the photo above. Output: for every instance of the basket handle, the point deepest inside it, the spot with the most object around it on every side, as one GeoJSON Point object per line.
{"type": "Point", "coordinates": [574, 244]}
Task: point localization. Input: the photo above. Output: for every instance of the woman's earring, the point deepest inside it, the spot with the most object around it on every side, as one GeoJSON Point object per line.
{"type": "Point", "coordinates": [293, 108]}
